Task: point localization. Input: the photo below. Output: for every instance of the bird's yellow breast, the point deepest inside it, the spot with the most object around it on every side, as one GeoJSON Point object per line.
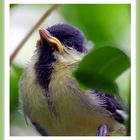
{"type": "Point", "coordinates": [74, 114]}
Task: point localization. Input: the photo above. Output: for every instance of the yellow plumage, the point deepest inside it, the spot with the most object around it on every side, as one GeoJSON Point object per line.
{"type": "Point", "coordinates": [73, 111]}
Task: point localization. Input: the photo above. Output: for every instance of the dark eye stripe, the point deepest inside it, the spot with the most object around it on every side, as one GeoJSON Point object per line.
{"type": "Point", "coordinates": [69, 43]}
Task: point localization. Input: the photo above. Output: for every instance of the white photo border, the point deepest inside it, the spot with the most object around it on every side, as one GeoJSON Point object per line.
{"type": "Point", "coordinates": [133, 67]}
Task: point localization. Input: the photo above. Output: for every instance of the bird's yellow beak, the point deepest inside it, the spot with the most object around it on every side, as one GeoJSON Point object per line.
{"type": "Point", "coordinates": [53, 41]}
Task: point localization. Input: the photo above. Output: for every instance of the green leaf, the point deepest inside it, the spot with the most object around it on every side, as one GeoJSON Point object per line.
{"type": "Point", "coordinates": [100, 68]}
{"type": "Point", "coordinates": [15, 73]}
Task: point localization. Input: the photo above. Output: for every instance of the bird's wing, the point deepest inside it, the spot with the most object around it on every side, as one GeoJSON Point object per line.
{"type": "Point", "coordinates": [111, 105]}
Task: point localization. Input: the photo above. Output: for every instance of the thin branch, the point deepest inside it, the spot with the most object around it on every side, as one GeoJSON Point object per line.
{"type": "Point", "coordinates": [40, 21]}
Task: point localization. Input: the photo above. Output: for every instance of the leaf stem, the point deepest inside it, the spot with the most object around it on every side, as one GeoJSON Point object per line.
{"type": "Point", "coordinates": [39, 22]}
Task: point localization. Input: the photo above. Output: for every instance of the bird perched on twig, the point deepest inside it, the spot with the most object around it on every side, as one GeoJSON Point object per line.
{"type": "Point", "coordinates": [52, 99]}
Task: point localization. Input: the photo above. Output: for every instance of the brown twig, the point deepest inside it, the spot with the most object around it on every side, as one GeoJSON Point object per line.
{"type": "Point", "coordinates": [40, 21]}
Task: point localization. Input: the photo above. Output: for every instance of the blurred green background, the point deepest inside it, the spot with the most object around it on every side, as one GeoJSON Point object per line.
{"type": "Point", "coordinates": [102, 24]}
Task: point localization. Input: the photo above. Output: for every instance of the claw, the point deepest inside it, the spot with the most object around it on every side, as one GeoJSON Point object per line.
{"type": "Point", "coordinates": [102, 130]}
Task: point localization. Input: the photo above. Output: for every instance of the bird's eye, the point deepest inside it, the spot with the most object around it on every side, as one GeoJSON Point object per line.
{"type": "Point", "coordinates": [69, 43]}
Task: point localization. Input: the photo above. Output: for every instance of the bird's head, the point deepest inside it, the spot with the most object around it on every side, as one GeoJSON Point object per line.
{"type": "Point", "coordinates": [60, 47]}
{"type": "Point", "coordinates": [61, 43]}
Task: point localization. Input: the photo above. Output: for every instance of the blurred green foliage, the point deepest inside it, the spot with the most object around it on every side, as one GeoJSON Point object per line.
{"type": "Point", "coordinates": [101, 23]}
{"type": "Point", "coordinates": [15, 73]}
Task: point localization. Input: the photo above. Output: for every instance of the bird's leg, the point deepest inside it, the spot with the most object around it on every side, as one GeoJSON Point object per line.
{"type": "Point", "coordinates": [102, 130]}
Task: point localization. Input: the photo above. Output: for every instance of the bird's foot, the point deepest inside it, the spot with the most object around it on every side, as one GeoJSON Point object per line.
{"type": "Point", "coordinates": [122, 131]}
{"type": "Point", "coordinates": [110, 133]}
{"type": "Point", "coordinates": [102, 130]}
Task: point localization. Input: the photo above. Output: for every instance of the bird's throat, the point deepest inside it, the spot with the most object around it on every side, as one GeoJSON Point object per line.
{"type": "Point", "coordinates": [43, 67]}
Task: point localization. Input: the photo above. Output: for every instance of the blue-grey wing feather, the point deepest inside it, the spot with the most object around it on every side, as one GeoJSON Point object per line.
{"type": "Point", "coordinates": [111, 105]}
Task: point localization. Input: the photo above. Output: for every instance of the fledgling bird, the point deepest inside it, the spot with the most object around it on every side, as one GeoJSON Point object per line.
{"type": "Point", "coordinates": [51, 97]}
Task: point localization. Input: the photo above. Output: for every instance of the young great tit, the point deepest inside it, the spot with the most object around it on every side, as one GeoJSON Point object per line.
{"type": "Point", "coordinates": [52, 99]}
